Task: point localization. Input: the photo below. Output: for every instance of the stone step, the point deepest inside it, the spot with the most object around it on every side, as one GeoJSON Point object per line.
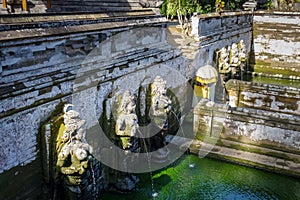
{"type": "Point", "coordinates": [261, 150]}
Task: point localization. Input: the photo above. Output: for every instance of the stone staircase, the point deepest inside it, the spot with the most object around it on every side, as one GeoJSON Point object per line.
{"type": "Point", "coordinates": [69, 6]}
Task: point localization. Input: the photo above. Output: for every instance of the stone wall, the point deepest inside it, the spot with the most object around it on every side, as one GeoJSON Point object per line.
{"type": "Point", "coordinates": [42, 67]}
{"type": "Point", "coordinates": [264, 139]}
{"type": "Point", "coordinates": [277, 44]}
{"type": "Point", "coordinates": [215, 31]}
{"type": "Point", "coordinates": [264, 97]}
{"type": "Point", "coordinates": [279, 129]}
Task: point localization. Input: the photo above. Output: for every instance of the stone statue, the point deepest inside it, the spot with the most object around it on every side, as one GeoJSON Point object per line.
{"type": "Point", "coordinates": [223, 61]}
{"type": "Point", "coordinates": [160, 103]}
{"type": "Point", "coordinates": [242, 51]}
{"type": "Point", "coordinates": [159, 110]}
{"type": "Point", "coordinates": [72, 149]}
{"type": "Point", "coordinates": [127, 122]}
{"type": "Point", "coordinates": [234, 55]}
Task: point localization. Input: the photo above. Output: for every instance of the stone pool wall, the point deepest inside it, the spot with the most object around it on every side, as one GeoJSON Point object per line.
{"type": "Point", "coordinates": [264, 139]}
{"type": "Point", "coordinates": [264, 97]}
{"type": "Point", "coordinates": [277, 44]}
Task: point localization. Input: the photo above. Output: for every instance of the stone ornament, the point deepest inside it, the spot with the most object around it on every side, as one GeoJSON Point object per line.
{"type": "Point", "coordinates": [232, 59]}
{"type": "Point", "coordinates": [72, 149]}
{"type": "Point", "coordinates": [127, 121]}
{"type": "Point", "coordinates": [223, 61]}
{"type": "Point", "coordinates": [160, 103]}
{"type": "Point", "coordinates": [242, 51]}
{"type": "Point", "coordinates": [234, 55]}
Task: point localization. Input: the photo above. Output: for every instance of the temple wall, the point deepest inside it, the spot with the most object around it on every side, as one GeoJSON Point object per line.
{"type": "Point", "coordinates": [277, 44]}
{"type": "Point", "coordinates": [216, 31]}
{"type": "Point", "coordinates": [75, 66]}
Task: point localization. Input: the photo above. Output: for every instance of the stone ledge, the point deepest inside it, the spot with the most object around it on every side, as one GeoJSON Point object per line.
{"type": "Point", "coordinates": [260, 161]}
{"type": "Point", "coordinates": [266, 12]}
{"type": "Point", "coordinates": [223, 14]}
{"type": "Point", "coordinates": [6, 36]}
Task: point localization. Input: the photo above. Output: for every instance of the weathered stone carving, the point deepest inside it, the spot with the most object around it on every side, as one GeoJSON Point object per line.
{"type": "Point", "coordinates": [159, 110]}
{"type": "Point", "coordinates": [161, 104]}
{"type": "Point", "coordinates": [232, 61]}
{"type": "Point", "coordinates": [223, 61]}
{"type": "Point", "coordinates": [234, 55]}
{"type": "Point", "coordinates": [127, 121]}
{"type": "Point", "coordinates": [72, 149]}
{"type": "Point", "coordinates": [242, 51]}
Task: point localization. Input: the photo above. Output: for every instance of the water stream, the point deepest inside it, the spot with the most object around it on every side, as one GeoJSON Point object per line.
{"type": "Point", "coordinates": [153, 193]}
{"type": "Point", "coordinates": [191, 165]}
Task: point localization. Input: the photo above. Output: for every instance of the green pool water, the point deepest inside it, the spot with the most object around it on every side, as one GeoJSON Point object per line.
{"type": "Point", "coordinates": [211, 179]}
{"type": "Point", "coordinates": [272, 81]}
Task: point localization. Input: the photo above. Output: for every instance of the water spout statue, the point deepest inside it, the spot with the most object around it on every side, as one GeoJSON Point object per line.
{"type": "Point", "coordinates": [242, 51]}
{"type": "Point", "coordinates": [223, 61]}
{"type": "Point", "coordinates": [127, 121]}
{"type": "Point", "coordinates": [234, 55]}
{"type": "Point", "coordinates": [72, 148]}
{"type": "Point", "coordinates": [160, 102]}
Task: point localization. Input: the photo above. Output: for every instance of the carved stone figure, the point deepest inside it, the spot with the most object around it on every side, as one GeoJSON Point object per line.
{"type": "Point", "coordinates": [242, 51]}
{"type": "Point", "coordinates": [160, 103]}
{"type": "Point", "coordinates": [223, 61]}
{"type": "Point", "coordinates": [159, 110]}
{"type": "Point", "coordinates": [234, 55]}
{"type": "Point", "coordinates": [127, 122]}
{"type": "Point", "coordinates": [72, 149]}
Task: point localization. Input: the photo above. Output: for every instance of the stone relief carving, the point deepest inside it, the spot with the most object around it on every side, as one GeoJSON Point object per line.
{"type": "Point", "coordinates": [234, 55]}
{"type": "Point", "coordinates": [127, 121]}
{"type": "Point", "coordinates": [161, 104]}
{"type": "Point", "coordinates": [242, 51]}
{"type": "Point", "coordinates": [223, 61]}
{"type": "Point", "coordinates": [72, 149]}
{"type": "Point", "coordinates": [232, 59]}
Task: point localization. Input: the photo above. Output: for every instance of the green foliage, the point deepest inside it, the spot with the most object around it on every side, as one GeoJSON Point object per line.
{"type": "Point", "coordinates": [220, 5]}
{"type": "Point", "coordinates": [268, 5]}
{"type": "Point", "coordinates": [171, 8]}
{"type": "Point", "coordinates": [234, 4]}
